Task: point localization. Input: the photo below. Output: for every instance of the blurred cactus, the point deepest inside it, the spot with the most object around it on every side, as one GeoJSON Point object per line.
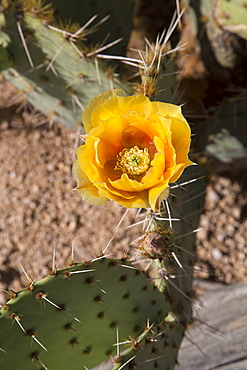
{"type": "Point", "coordinates": [54, 68]}
{"type": "Point", "coordinates": [222, 32]}
{"type": "Point", "coordinates": [226, 129]}
{"type": "Point", "coordinates": [226, 147]}
{"type": "Point", "coordinates": [232, 16]}
{"type": "Point", "coordinates": [119, 23]}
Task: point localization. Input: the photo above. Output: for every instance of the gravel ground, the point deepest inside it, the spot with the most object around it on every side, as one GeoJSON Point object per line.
{"type": "Point", "coordinates": [221, 244]}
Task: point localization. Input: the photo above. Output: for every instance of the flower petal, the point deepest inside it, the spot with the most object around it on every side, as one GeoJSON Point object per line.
{"type": "Point", "coordinates": [179, 126]}
{"type": "Point", "coordinates": [85, 188]}
{"type": "Point", "coordinates": [94, 103]}
{"type": "Point", "coordinates": [118, 106]}
{"type": "Point", "coordinates": [136, 200]}
{"type": "Point", "coordinates": [126, 184]}
{"type": "Point", "coordinates": [180, 133]}
{"type": "Point", "coordinates": [168, 110]}
{"type": "Point", "coordinates": [156, 194]}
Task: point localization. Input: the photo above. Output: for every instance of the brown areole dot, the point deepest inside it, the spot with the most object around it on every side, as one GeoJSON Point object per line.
{"type": "Point", "coordinates": [123, 278]}
{"type": "Point", "coordinates": [101, 315]}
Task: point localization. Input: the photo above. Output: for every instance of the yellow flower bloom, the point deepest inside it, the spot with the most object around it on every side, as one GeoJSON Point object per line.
{"type": "Point", "coordinates": [134, 149]}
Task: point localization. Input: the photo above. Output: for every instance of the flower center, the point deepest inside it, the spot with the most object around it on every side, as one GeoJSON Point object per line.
{"type": "Point", "coordinates": [133, 161]}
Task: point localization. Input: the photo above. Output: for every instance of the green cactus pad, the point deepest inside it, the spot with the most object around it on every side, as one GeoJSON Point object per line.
{"type": "Point", "coordinates": [71, 320]}
{"type": "Point", "coordinates": [118, 24]}
{"type": "Point", "coordinates": [61, 81]}
{"type": "Point", "coordinates": [222, 32]}
{"type": "Point", "coordinates": [158, 349]}
{"type": "Point", "coordinates": [5, 61]}
{"type": "Point", "coordinates": [232, 16]}
{"type": "Point", "coordinates": [226, 148]}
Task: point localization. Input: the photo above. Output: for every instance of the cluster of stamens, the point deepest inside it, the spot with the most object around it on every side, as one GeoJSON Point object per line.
{"type": "Point", "coordinates": [133, 161]}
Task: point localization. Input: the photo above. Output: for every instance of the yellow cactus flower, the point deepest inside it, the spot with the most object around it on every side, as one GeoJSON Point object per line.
{"type": "Point", "coordinates": [134, 148]}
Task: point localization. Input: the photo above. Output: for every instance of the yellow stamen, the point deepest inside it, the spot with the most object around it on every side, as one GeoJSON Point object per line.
{"type": "Point", "coordinates": [133, 161]}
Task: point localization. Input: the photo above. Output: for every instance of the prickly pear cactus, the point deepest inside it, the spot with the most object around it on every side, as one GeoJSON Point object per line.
{"type": "Point", "coordinates": [227, 146]}
{"type": "Point", "coordinates": [53, 67]}
{"type": "Point", "coordinates": [102, 310]}
{"type": "Point", "coordinates": [231, 16]}
{"type": "Point", "coordinates": [226, 32]}
{"type": "Point", "coordinates": [117, 24]}
{"type": "Point", "coordinates": [84, 315]}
